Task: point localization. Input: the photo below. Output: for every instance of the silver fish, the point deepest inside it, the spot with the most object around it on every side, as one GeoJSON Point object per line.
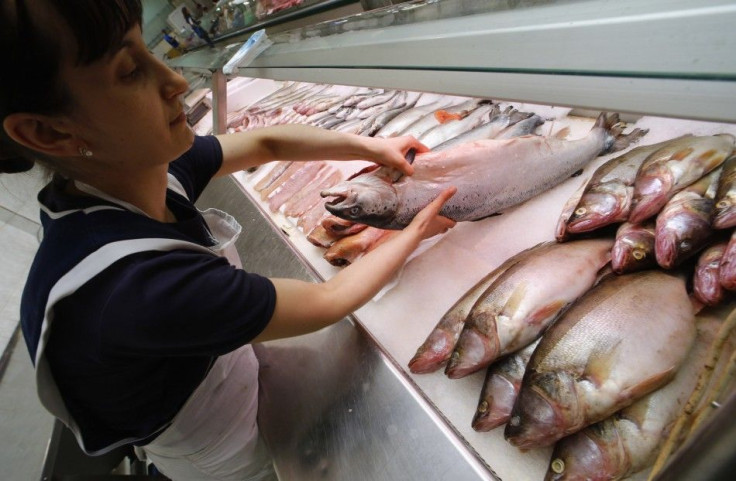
{"type": "Point", "coordinates": [489, 130]}
{"type": "Point", "coordinates": [501, 386]}
{"type": "Point", "coordinates": [490, 176]}
{"type": "Point", "coordinates": [402, 121]}
{"type": "Point", "coordinates": [525, 126]}
{"type": "Point", "coordinates": [683, 227]}
{"type": "Point", "coordinates": [436, 350]}
{"type": "Point", "coordinates": [433, 118]}
{"type": "Point", "coordinates": [608, 194]}
{"type": "Point", "coordinates": [725, 211]}
{"type": "Point", "coordinates": [517, 308]}
{"type": "Point", "coordinates": [449, 130]}
{"type": "Point", "coordinates": [674, 167]}
{"type": "Point", "coordinates": [625, 338]}
{"type": "Point", "coordinates": [627, 442]}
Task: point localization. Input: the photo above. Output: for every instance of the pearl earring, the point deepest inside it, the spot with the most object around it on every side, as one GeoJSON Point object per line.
{"type": "Point", "coordinates": [85, 152]}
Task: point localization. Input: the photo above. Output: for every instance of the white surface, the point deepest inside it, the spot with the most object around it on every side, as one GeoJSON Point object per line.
{"type": "Point", "coordinates": [432, 281]}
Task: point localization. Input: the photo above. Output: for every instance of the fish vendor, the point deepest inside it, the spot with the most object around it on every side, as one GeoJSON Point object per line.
{"type": "Point", "coordinates": [131, 283]}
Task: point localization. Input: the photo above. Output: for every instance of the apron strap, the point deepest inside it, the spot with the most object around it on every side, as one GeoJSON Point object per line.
{"type": "Point", "coordinates": [89, 267]}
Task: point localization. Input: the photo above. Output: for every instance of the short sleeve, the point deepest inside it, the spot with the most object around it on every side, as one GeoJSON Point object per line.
{"type": "Point", "coordinates": [196, 167]}
{"type": "Point", "coordinates": [182, 303]}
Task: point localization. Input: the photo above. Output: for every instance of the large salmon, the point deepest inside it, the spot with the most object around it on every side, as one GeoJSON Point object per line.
{"type": "Point", "coordinates": [490, 176]}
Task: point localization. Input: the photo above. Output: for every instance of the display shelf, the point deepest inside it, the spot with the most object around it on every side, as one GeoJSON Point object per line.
{"type": "Point", "coordinates": [663, 57]}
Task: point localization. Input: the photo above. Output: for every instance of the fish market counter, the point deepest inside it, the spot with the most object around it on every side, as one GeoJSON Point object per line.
{"type": "Point", "coordinates": [341, 403]}
{"type": "Point", "coordinates": [334, 405]}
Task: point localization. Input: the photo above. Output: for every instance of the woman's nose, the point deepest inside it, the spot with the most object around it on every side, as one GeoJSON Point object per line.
{"type": "Point", "coordinates": [173, 83]}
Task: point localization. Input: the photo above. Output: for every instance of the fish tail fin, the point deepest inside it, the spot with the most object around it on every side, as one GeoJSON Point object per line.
{"type": "Point", "coordinates": [614, 127]}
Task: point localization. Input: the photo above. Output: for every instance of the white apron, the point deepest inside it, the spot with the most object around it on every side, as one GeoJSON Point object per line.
{"type": "Point", "coordinates": [215, 435]}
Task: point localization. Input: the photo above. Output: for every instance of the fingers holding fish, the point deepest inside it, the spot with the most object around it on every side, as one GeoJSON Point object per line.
{"type": "Point", "coordinates": [429, 221]}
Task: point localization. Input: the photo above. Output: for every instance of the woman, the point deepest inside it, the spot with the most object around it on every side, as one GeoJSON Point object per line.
{"type": "Point", "coordinates": [136, 316]}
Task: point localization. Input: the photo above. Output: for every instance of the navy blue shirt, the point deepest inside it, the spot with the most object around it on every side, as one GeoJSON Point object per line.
{"type": "Point", "coordinates": [130, 346]}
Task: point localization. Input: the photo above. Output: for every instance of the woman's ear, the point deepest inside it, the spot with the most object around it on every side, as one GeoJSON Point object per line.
{"type": "Point", "coordinates": [41, 133]}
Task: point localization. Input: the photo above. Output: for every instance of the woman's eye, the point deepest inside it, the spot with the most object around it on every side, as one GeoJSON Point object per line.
{"type": "Point", "coordinates": [132, 74]}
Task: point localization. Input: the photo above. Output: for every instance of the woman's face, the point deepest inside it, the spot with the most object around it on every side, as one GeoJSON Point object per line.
{"type": "Point", "coordinates": [126, 109]}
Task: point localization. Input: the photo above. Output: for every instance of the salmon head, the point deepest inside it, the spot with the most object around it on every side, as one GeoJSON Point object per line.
{"type": "Point", "coordinates": [369, 199]}
{"type": "Point", "coordinates": [546, 409]}
{"type": "Point", "coordinates": [589, 455]}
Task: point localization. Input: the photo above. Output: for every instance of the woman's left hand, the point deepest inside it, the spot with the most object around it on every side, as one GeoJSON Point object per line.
{"type": "Point", "coordinates": [391, 152]}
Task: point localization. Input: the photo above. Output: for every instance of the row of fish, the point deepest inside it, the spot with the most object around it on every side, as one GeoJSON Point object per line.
{"type": "Point", "coordinates": [673, 201]}
{"type": "Point", "coordinates": [575, 355]}
{"type": "Point", "coordinates": [458, 130]}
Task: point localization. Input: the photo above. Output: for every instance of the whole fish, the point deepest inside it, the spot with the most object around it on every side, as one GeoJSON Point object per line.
{"type": "Point", "coordinates": [488, 130]}
{"type": "Point", "coordinates": [727, 269]}
{"type": "Point", "coordinates": [725, 211]}
{"type": "Point", "coordinates": [683, 226]}
{"type": "Point", "coordinates": [633, 249]}
{"type": "Point", "coordinates": [628, 441]}
{"type": "Point", "coordinates": [442, 133]}
{"type": "Point", "coordinates": [433, 119]}
{"type": "Point", "coordinates": [399, 123]}
{"type": "Point", "coordinates": [525, 126]}
{"type": "Point", "coordinates": [625, 338]}
{"type": "Point", "coordinates": [608, 194]}
{"type": "Point", "coordinates": [436, 350]}
{"type": "Point", "coordinates": [674, 167]}
{"type": "Point", "coordinates": [500, 388]}
{"type": "Point", "coordinates": [517, 307]}
{"type": "Point", "coordinates": [706, 282]}
{"type": "Point", "coordinates": [490, 176]}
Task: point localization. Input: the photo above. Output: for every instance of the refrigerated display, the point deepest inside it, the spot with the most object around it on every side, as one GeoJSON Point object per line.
{"type": "Point", "coordinates": [662, 66]}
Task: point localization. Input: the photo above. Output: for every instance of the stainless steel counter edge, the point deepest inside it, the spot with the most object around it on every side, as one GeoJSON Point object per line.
{"type": "Point", "coordinates": [338, 413]}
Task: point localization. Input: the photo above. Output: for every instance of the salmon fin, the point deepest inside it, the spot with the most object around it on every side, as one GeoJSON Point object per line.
{"type": "Point", "coordinates": [649, 385]}
{"type": "Point", "coordinates": [443, 116]}
{"type": "Point", "coordinates": [562, 133]}
{"type": "Point", "coordinates": [514, 301]}
{"type": "Point", "coordinates": [600, 366]}
{"type": "Point", "coordinates": [682, 153]}
{"type": "Point", "coordinates": [625, 140]}
{"type": "Point", "coordinates": [553, 309]}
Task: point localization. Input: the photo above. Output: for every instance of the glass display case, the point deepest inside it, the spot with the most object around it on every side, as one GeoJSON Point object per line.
{"type": "Point", "coordinates": [668, 64]}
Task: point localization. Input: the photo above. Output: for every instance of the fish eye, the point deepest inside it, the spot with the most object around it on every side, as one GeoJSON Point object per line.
{"type": "Point", "coordinates": [355, 210]}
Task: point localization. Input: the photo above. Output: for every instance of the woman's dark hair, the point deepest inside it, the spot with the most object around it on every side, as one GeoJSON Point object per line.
{"type": "Point", "coordinates": [29, 79]}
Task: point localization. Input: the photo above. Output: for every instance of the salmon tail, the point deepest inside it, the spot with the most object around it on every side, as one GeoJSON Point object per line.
{"type": "Point", "coordinates": [615, 127]}
{"type": "Point", "coordinates": [623, 141]}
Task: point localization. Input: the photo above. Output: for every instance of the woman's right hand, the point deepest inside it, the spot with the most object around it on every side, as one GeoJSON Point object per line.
{"type": "Point", "coordinates": [428, 222]}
